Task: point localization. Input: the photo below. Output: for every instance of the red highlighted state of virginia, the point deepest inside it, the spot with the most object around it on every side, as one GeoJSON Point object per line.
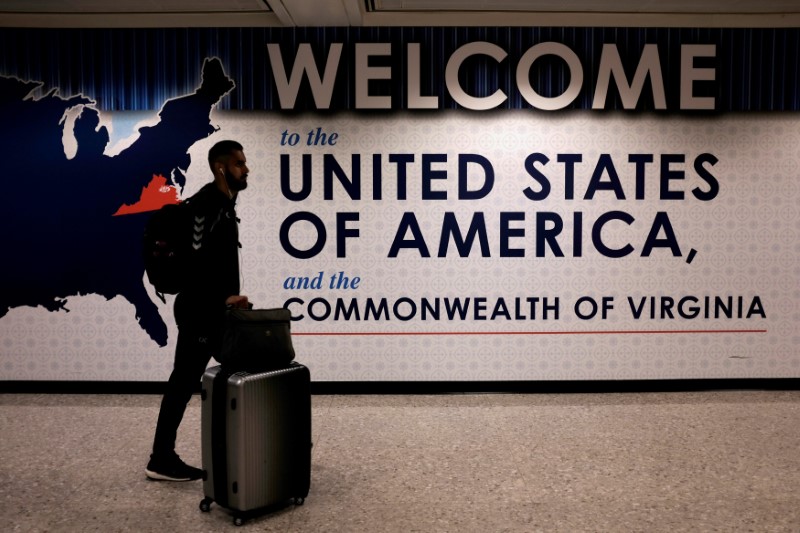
{"type": "Point", "coordinates": [156, 195]}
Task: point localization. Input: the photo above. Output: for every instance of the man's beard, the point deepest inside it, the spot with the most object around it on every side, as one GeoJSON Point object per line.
{"type": "Point", "coordinates": [235, 184]}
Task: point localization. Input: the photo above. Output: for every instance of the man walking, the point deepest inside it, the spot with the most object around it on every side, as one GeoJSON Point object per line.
{"type": "Point", "coordinates": [212, 285]}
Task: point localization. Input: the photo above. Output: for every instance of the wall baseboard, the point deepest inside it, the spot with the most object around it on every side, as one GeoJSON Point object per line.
{"type": "Point", "coordinates": [430, 387]}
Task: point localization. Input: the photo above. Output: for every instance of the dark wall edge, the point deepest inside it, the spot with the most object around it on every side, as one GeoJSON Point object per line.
{"type": "Point", "coordinates": [430, 387]}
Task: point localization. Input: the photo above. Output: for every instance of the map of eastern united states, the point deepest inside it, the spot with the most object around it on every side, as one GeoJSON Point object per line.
{"type": "Point", "coordinates": [154, 196]}
{"type": "Point", "coordinates": [65, 240]}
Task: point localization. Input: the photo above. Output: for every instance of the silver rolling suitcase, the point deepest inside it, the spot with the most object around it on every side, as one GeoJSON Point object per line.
{"type": "Point", "coordinates": [256, 439]}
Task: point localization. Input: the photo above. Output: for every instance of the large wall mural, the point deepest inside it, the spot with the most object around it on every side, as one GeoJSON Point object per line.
{"type": "Point", "coordinates": [431, 204]}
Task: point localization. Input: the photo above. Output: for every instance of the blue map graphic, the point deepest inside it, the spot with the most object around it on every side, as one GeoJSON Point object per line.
{"type": "Point", "coordinates": [60, 238]}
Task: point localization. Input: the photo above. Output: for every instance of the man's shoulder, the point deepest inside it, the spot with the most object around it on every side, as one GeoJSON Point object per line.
{"type": "Point", "coordinates": [208, 197]}
{"type": "Point", "coordinates": [206, 191]}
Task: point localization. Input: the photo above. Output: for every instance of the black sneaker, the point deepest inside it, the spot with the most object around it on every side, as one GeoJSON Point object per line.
{"type": "Point", "coordinates": [171, 469]}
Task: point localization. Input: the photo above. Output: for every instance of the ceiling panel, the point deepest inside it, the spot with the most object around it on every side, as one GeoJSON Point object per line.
{"type": "Point", "coordinates": [289, 13]}
{"type": "Point", "coordinates": [133, 6]}
{"type": "Point", "coordinates": [589, 6]}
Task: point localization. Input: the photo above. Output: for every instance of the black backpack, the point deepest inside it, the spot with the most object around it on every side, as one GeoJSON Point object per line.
{"type": "Point", "coordinates": [166, 246]}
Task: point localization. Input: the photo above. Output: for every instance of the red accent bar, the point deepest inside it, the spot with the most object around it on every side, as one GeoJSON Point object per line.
{"type": "Point", "coordinates": [622, 332]}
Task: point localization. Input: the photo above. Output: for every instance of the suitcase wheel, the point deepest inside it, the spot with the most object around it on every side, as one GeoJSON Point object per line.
{"type": "Point", "coordinates": [205, 505]}
{"type": "Point", "coordinates": [238, 521]}
{"type": "Point", "coordinates": [299, 501]}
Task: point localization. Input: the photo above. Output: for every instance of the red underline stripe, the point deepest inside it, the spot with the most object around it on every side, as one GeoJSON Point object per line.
{"type": "Point", "coordinates": [620, 332]}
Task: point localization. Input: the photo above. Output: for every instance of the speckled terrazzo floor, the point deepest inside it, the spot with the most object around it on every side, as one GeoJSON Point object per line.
{"type": "Point", "coordinates": [701, 461]}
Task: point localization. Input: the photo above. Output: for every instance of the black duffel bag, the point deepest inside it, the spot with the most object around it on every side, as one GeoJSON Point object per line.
{"type": "Point", "coordinates": [256, 340]}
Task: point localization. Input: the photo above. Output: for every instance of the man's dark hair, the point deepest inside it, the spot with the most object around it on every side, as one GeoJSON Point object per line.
{"type": "Point", "coordinates": [222, 149]}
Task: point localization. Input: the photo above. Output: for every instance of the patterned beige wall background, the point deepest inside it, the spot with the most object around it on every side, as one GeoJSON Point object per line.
{"type": "Point", "coordinates": [745, 243]}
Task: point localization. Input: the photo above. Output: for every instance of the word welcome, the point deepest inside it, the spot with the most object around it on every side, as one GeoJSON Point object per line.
{"type": "Point", "coordinates": [611, 68]}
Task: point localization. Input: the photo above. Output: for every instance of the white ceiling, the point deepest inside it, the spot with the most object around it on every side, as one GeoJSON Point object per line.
{"type": "Point", "coordinates": [625, 6]}
{"type": "Point", "coordinates": [288, 13]}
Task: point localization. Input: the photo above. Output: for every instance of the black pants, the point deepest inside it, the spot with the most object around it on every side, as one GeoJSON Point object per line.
{"type": "Point", "coordinates": [192, 354]}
